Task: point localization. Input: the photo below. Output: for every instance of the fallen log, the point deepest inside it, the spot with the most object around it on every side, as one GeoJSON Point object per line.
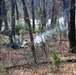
{"type": "Point", "coordinates": [32, 64]}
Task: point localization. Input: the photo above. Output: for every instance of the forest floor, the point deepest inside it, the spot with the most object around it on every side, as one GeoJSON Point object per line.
{"type": "Point", "coordinates": [20, 61]}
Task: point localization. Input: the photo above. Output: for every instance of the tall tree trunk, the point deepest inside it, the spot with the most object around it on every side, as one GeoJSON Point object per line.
{"type": "Point", "coordinates": [12, 19]}
{"type": "Point", "coordinates": [0, 14]}
{"type": "Point", "coordinates": [5, 15]}
{"type": "Point", "coordinates": [72, 40]}
{"type": "Point", "coordinates": [33, 14]}
{"type": "Point", "coordinates": [26, 18]}
{"type": "Point", "coordinates": [17, 17]}
{"type": "Point", "coordinates": [43, 13]}
{"type": "Point", "coordinates": [17, 12]}
{"type": "Point", "coordinates": [54, 15]}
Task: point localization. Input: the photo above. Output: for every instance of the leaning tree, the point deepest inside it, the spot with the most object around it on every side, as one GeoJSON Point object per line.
{"type": "Point", "coordinates": [26, 19]}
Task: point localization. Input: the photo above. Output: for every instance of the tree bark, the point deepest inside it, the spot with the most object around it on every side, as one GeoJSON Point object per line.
{"type": "Point", "coordinates": [26, 18]}
{"type": "Point", "coordinates": [72, 39]}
